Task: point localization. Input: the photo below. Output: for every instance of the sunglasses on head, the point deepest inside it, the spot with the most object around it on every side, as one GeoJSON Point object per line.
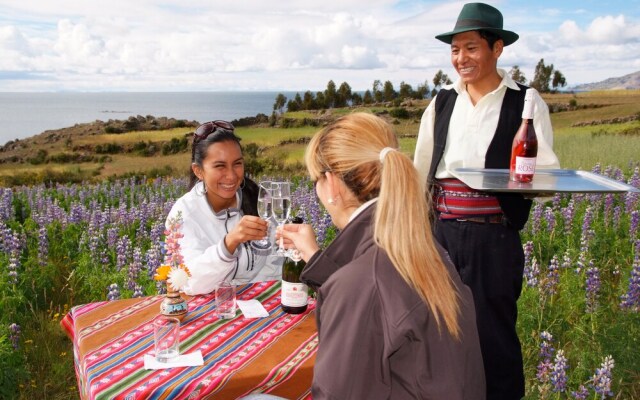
{"type": "Point", "coordinates": [206, 129]}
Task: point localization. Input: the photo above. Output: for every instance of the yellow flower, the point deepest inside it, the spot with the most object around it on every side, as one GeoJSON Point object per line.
{"type": "Point", "coordinates": [162, 273]}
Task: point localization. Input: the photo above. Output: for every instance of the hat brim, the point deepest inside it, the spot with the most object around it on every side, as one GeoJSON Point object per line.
{"type": "Point", "coordinates": [507, 37]}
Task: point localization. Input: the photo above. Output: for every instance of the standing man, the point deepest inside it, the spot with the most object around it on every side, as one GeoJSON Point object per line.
{"type": "Point", "coordinates": [471, 124]}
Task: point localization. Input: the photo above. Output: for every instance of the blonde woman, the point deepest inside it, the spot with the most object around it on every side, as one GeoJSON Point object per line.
{"type": "Point", "coordinates": [394, 319]}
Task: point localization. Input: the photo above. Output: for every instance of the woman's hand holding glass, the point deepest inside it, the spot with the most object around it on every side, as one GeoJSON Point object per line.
{"type": "Point", "coordinates": [265, 206]}
{"type": "Point", "coordinates": [249, 229]}
{"type": "Point", "coordinates": [298, 236]}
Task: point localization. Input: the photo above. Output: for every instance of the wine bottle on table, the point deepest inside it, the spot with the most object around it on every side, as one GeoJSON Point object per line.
{"type": "Point", "coordinates": [294, 295]}
{"type": "Point", "coordinates": [524, 149]}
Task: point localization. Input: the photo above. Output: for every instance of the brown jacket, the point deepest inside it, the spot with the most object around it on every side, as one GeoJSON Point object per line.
{"type": "Point", "coordinates": [377, 338]}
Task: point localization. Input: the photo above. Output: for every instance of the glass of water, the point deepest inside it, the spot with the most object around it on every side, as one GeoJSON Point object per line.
{"type": "Point", "coordinates": [166, 338]}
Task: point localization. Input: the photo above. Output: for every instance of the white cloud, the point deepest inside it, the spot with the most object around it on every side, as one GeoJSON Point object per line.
{"type": "Point", "coordinates": [288, 45]}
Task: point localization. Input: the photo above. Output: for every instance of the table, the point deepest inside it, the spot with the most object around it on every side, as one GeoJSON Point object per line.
{"type": "Point", "coordinates": [265, 355]}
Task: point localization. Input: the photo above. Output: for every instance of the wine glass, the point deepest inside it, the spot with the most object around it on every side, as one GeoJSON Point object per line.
{"type": "Point", "coordinates": [281, 206]}
{"type": "Point", "coordinates": [264, 211]}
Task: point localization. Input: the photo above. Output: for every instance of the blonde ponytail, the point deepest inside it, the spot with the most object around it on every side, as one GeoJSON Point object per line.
{"type": "Point", "coordinates": [355, 148]}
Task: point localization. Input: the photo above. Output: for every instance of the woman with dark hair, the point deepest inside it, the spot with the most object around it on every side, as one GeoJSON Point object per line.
{"type": "Point", "coordinates": [219, 216]}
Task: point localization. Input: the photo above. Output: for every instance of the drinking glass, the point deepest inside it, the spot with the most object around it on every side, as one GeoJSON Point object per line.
{"type": "Point", "coordinates": [264, 211]}
{"type": "Point", "coordinates": [166, 338]}
{"type": "Point", "coordinates": [225, 300]}
{"type": "Point", "coordinates": [281, 206]}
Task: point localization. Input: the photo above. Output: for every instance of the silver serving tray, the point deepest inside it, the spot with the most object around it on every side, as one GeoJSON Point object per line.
{"type": "Point", "coordinates": [544, 181]}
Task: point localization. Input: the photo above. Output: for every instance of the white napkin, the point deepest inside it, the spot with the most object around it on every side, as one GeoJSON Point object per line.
{"type": "Point", "coordinates": [183, 360]}
{"type": "Point", "coordinates": [252, 308]}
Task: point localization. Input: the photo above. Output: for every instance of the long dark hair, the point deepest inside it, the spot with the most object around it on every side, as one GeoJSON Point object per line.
{"type": "Point", "coordinates": [199, 149]}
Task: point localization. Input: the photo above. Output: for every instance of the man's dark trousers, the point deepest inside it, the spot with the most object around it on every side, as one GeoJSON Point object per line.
{"type": "Point", "coordinates": [490, 260]}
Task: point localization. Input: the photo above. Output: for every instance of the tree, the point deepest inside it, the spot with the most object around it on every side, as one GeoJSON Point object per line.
{"type": "Point", "coordinates": [295, 104]}
{"type": "Point", "coordinates": [389, 93]}
{"type": "Point", "coordinates": [308, 101]}
{"type": "Point", "coordinates": [356, 99]}
{"type": "Point", "coordinates": [330, 95]}
{"type": "Point", "coordinates": [368, 97]}
{"type": "Point", "coordinates": [558, 80]}
{"type": "Point", "coordinates": [439, 80]}
{"type": "Point", "coordinates": [377, 91]}
{"type": "Point", "coordinates": [422, 91]}
{"type": "Point", "coordinates": [321, 103]}
{"type": "Point", "coordinates": [343, 96]}
{"type": "Point", "coordinates": [517, 75]}
{"type": "Point", "coordinates": [542, 77]}
{"type": "Point", "coordinates": [281, 100]}
{"type": "Point", "coordinates": [406, 91]}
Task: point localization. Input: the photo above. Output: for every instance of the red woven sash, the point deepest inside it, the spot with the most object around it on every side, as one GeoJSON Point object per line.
{"type": "Point", "coordinates": [454, 199]}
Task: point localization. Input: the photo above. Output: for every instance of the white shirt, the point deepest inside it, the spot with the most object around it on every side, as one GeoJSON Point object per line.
{"type": "Point", "coordinates": [205, 253]}
{"type": "Point", "coordinates": [472, 128]}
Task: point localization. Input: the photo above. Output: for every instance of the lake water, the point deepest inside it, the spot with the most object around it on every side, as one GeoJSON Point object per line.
{"type": "Point", "coordinates": [26, 114]}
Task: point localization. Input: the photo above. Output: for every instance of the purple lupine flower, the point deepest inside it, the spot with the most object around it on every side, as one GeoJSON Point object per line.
{"type": "Point", "coordinates": [566, 260]}
{"type": "Point", "coordinates": [631, 198]}
{"type": "Point", "coordinates": [601, 380]}
{"type": "Point", "coordinates": [585, 239]}
{"type": "Point", "coordinates": [550, 283]}
{"type": "Point", "coordinates": [556, 201]}
{"type": "Point", "coordinates": [545, 355]}
{"type": "Point", "coordinates": [13, 246]}
{"type": "Point", "coordinates": [112, 237]}
{"type": "Point", "coordinates": [43, 246]}
{"type": "Point", "coordinates": [134, 268]}
{"type": "Point", "coordinates": [631, 299]}
{"type": "Point", "coordinates": [528, 252]}
{"type": "Point", "coordinates": [567, 216]}
{"type": "Point", "coordinates": [114, 292]}
{"type": "Point", "coordinates": [137, 291]}
{"type": "Point", "coordinates": [581, 393]}
{"type": "Point", "coordinates": [531, 273]}
{"type": "Point", "coordinates": [157, 230]}
{"type": "Point", "coordinates": [588, 219]}
{"type": "Point", "coordinates": [592, 288]}
{"type": "Point", "coordinates": [550, 218]}
{"type": "Point", "coordinates": [633, 225]}
{"type": "Point", "coordinates": [6, 204]}
{"type": "Point", "coordinates": [305, 200]}
{"type": "Point", "coordinates": [14, 335]}
{"type": "Point", "coordinates": [617, 212]}
{"type": "Point", "coordinates": [154, 258]}
{"type": "Point", "coordinates": [559, 372]}
{"type": "Point", "coordinates": [609, 201]}
{"type": "Point", "coordinates": [123, 252]}
{"type": "Point", "coordinates": [536, 218]}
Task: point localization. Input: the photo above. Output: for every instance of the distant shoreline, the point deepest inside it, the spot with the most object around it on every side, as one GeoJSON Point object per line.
{"type": "Point", "coordinates": [25, 114]}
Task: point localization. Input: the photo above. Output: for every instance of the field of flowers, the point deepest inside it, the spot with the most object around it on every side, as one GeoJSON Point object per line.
{"type": "Point", "coordinates": [71, 244]}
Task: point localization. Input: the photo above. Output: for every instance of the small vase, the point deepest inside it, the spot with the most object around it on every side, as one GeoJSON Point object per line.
{"type": "Point", "coordinates": [173, 304]}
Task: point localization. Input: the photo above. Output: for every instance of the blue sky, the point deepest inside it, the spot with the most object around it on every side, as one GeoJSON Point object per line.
{"type": "Point", "coordinates": [178, 45]}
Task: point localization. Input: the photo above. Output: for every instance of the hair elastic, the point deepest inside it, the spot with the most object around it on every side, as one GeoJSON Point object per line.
{"type": "Point", "coordinates": [383, 153]}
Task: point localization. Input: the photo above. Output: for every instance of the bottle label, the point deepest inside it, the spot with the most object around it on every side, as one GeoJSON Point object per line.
{"type": "Point", "coordinates": [294, 294]}
{"type": "Point", "coordinates": [525, 165]}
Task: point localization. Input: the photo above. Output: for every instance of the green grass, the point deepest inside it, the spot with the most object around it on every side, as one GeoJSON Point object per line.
{"type": "Point", "coordinates": [580, 148]}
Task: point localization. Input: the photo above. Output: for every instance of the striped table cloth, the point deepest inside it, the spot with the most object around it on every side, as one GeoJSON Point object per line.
{"type": "Point", "coordinates": [241, 356]}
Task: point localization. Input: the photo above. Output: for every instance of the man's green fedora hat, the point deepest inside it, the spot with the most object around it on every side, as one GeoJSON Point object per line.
{"type": "Point", "coordinates": [479, 16]}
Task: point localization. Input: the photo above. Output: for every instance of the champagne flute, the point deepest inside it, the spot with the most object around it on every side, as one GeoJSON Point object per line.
{"type": "Point", "coordinates": [264, 211]}
{"type": "Point", "coordinates": [281, 207]}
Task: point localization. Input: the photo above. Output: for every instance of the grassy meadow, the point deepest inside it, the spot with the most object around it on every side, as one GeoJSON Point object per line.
{"type": "Point", "coordinates": [64, 244]}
